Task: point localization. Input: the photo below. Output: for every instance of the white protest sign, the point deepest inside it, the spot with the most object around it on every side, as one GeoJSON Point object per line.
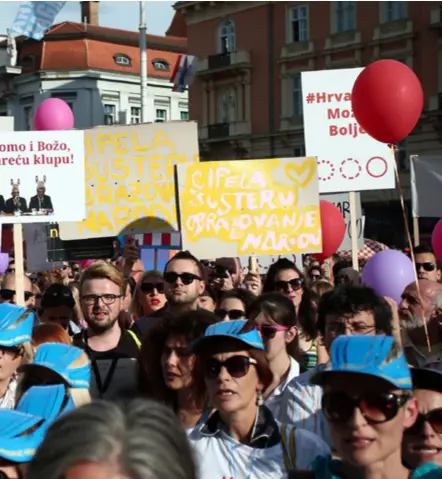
{"type": "Point", "coordinates": [42, 176]}
{"type": "Point", "coordinates": [35, 236]}
{"type": "Point", "coordinates": [342, 202]}
{"type": "Point", "coordinates": [348, 158]}
{"type": "Point", "coordinates": [264, 262]}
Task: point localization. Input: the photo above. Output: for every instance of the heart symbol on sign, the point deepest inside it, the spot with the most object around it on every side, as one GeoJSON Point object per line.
{"type": "Point", "coordinates": [301, 174]}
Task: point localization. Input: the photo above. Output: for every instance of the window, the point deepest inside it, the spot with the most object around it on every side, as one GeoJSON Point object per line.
{"type": "Point", "coordinates": [299, 152]}
{"type": "Point", "coordinates": [299, 24]}
{"type": "Point", "coordinates": [160, 65]}
{"type": "Point", "coordinates": [227, 105]}
{"type": "Point", "coordinates": [122, 60]}
{"type": "Point", "coordinates": [135, 115]}
{"type": "Point", "coordinates": [227, 41]}
{"type": "Point", "coordinates": [28, 113]}
{"type": "Point", "coordinates": [297, 95]}
{"type": "Point", "coordinates": [345, 13]}
{"type": "Point", "coordinates": [161, 116]}
{"type": "Point", "coordinates": [110, 114]}
{"type": "Point", "coordinates": [184, 115]}
{"type": "Point", "coordinates": [393, 11]}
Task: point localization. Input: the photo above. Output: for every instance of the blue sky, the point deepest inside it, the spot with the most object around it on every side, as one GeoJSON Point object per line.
{"type": "Point", "coordinates": [122, 15]}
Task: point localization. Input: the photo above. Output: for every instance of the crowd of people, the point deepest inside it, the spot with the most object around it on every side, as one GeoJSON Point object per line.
{"type": "Point", "coordinates": [208, 371]}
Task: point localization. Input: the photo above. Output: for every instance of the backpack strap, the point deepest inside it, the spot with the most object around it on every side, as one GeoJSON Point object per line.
{"type": "Point", "coordinates": [135, 338]}
{"type": "Point", "coordinates": [289, 447]}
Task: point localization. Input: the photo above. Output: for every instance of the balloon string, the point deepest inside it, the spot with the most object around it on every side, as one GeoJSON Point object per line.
{"type": "Point", "coordinates": [394, 150]}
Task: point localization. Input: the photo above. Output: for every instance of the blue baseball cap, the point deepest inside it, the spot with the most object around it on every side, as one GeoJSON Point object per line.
{"type": "Point", "coordinates": [425, 378]}
{"type": "Point", "coordinates": [62, 358]}
{"type": "Point", "coordinates": [20, 435]}
{"type": "Point", "coordinates": [378, 356]}
{"type": "Point", "coordinates": [229, 329]}
{"type": "Point", "coordinates": [16, 324]}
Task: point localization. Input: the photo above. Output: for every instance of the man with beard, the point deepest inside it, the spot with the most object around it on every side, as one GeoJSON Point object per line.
{"type": "Point", "coordinates": [112, 350]}
{"type": "Point", "coordinates": [417, 308]}
{"type": "Point", "coordinates": [183, 285]}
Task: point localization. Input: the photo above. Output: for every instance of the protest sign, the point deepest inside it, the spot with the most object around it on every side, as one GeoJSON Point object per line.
{"type": "Point", "coordinates": [262, 207]}
{"type": "Point", "coordinates": [77, 250]}
{"type": "Point", "coordinates": [342, 202]}
{"type": "Point", "coordinates": [348, 158]}
{"type": "Point", "coordinates": [41, 174]}
{"type": "Point", "coordinates": [130, 179]}
{"type": "Point", "coordinates": [36, 249]}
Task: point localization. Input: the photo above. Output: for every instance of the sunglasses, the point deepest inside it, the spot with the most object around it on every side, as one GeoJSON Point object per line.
{"type": "Point", "coordinates": [433, 418]}
{"type": "Point", "coordinates": [427, 266]}
{"type": "Point", "coordinates": [296, 284]}
{"type": "Point", "coordinates": [231, 314]}
{"type": "Point", "coordinates": [376, 408]}
{"type": "Point", "coordinates": [8, 294]}
{"type": "Point", "coordinates": [186, 278]}
{"type": "Point", "coordinates": [150, 287]}
{"type": "Point", "coordinates": [12, 351]}
{"type": "Point", "coordinates": [236, 366]}
{"type": "Point", "coordinates": [269, 332]}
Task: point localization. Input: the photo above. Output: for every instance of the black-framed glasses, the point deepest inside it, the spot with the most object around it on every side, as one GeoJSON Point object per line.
{"type": "Point", "coordinates": [237, 366]}
{"type": "Point", "coordinates": [426, 266]}
{"type": "Point", "coordinates": [8, 294]}
{"type": "Point", "coordinates": [377, 408]}
{"type": "Point", "coordinates": [230, 313]}
{"type": "Point", "coordinates": [269, 332]}
{"type": "Point", "coordinates": [433, 418]}
{"type": "Point", "coordinates": [150, 287]}
{"type": "Point", "coordinates": [186, 278]}
{"type": "Point", "coordinates": [107, 299]}
{"type": "Point", "coordinates": [296, 284]}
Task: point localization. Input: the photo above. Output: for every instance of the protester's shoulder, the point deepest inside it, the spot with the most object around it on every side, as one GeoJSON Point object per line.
{"type": "Point", "coordinates": [142, 325]}
{"type": "Point", "coordinates": [306, 439]}
{"type": "Point", "coordinates": [129, 344]}
{"type": "Point", "coordinates": [303, 381]}
{"type": "Point", "coordinates": [78, 340]}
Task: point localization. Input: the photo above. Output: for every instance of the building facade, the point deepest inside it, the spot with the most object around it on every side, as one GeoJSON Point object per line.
{"type": "Point", "coordinates": [96, 70]}
{"type": "Point", "coordinates": [247, 93]}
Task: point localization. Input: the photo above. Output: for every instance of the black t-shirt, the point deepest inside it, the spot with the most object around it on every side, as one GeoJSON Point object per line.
{"type": "Point", "coordinates": [114, 372]}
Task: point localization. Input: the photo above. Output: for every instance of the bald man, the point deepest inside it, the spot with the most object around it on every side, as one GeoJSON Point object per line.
{"type": "Point", "coordinates": [7, 291]}
{"type": "Point", "coordinates": [414, 312]}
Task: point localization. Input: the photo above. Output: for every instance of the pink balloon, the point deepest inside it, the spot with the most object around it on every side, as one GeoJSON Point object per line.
{"type": "Point", "coordinates": [53, 114]}
{"type": "Point", "coordinates": [436, 240]}
{"type": "Point", "coordinates": [86, 263]}
{"type": "Point", "coordinates": [4, 262]}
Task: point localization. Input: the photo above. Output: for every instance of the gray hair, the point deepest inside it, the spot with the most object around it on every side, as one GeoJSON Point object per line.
{"type": "Point", "coordinates": [143, 438]}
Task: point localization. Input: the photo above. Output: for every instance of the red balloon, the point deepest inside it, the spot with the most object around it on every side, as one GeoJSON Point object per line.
{"type": "Point", "coordinates": [387, 100]}
{"type": "Point", "coordinates": [333, 229]}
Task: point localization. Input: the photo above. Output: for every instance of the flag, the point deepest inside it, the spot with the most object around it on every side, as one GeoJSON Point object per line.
{"type": "Point", "coordinates": [183, 73]}
{"type": "Point", "coordinates": [34, 18]}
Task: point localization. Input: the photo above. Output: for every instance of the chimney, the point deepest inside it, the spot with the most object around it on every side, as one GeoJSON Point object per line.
{"type": "Point", "coordinates": [89, 13]}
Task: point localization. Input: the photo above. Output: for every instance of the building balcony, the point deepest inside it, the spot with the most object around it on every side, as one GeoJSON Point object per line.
{"type": "Point", "coordinates": [292, 123]}
{"type": "Point", "coordinates": [400, 29]}
{"type": "Point", "coordinates": [223, 131]}
{"type": "Point", "coordinates": [223, 62]}
{"type": "Point", "coordinates": [297, 50]}
{"type": "Point", "coordinates": [436, 17]}
{"type": "Point", "coordinates": [343, 41]}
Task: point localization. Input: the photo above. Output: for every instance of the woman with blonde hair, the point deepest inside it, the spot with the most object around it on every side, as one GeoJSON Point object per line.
{"type": "Point", "coordinates": [16, 325]}
{"type": "Point", "coordinates": [149, 295]}
{"type": "Point", "coordinates": [57, 363]}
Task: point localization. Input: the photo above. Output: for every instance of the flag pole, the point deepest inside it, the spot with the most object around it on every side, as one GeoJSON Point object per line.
{"type": "Point", "coordinates": [143, 63]}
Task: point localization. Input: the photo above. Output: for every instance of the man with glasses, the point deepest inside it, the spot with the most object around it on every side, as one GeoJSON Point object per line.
{"type": "Point", "coordinates": [183, 285]}
{"type": "Point", "coordinates": [426, 263]}
{"type": "Point", "coordinates": [111, 349]}
{"type": "Point", "coordinates": [8, 293]}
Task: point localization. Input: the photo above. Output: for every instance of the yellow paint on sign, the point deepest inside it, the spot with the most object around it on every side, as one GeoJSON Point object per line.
{"type": "Point", "coordinates": [263, 207]}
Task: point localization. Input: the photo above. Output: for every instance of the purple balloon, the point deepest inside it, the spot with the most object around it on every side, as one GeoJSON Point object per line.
{"type": "Point", "coordinates": [388, 273]}
{"type": "Point", "coordinates": [53, 114]}
{"type": "Point", "coordinates": [4, 262]}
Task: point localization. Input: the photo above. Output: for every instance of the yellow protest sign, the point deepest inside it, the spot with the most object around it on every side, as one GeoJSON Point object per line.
{"type": "Point", "coordinates": [265, 207]}
{"type": "Point", "coordinates": [130, 185]}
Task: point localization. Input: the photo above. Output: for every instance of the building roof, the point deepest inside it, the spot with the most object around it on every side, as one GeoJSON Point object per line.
{"type": "Point", "coordinates": [178, 26]}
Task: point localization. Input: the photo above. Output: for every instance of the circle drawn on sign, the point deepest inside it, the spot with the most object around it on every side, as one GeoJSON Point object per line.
{"type": "Point", "coordinates": [353, 167]}
{"type": "Point", "coordinates": [331, 172]}
{"type": "Point", "coordinates": [370, 170]}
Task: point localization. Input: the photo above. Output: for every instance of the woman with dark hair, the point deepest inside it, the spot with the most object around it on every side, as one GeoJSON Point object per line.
{"type": "Point", "coordinates": [167, 365]}
{"type": "Point", "coordinates": [286, 278]}
{"type": "Point", "coordinates": [274, 315]}
{"type": "Point", "coordinates": [234, 304]}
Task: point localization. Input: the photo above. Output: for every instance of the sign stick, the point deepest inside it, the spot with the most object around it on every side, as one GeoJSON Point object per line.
{"type": "Point", "coordinates": [19, 264]}
{"type": "Point", "coordinates": [416, 232]}
{"type": "Point", "coordinates": [353, 230]}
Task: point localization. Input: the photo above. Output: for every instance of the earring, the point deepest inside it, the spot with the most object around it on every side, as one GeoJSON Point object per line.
{"type": "Point", "coordinates": [260, 399]}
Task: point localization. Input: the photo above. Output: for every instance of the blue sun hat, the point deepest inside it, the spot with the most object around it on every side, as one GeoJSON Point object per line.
{"type": "Point", "coordinates": [60, 358]}
{"type": "Point", "coordinates": [47, 402]}
{"type": "Point", "coordinates": [20, 435]}
{"type": "Point", "coordinates": [230, 330]}
{"type": "Point", "coordinates": [378, 356]}
{"type": "Point", "coordinates": [16, 324]}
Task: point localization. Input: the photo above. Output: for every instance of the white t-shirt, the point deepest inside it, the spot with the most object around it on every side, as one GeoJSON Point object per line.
{"type": "Point", "coordinates": [220, 457]}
